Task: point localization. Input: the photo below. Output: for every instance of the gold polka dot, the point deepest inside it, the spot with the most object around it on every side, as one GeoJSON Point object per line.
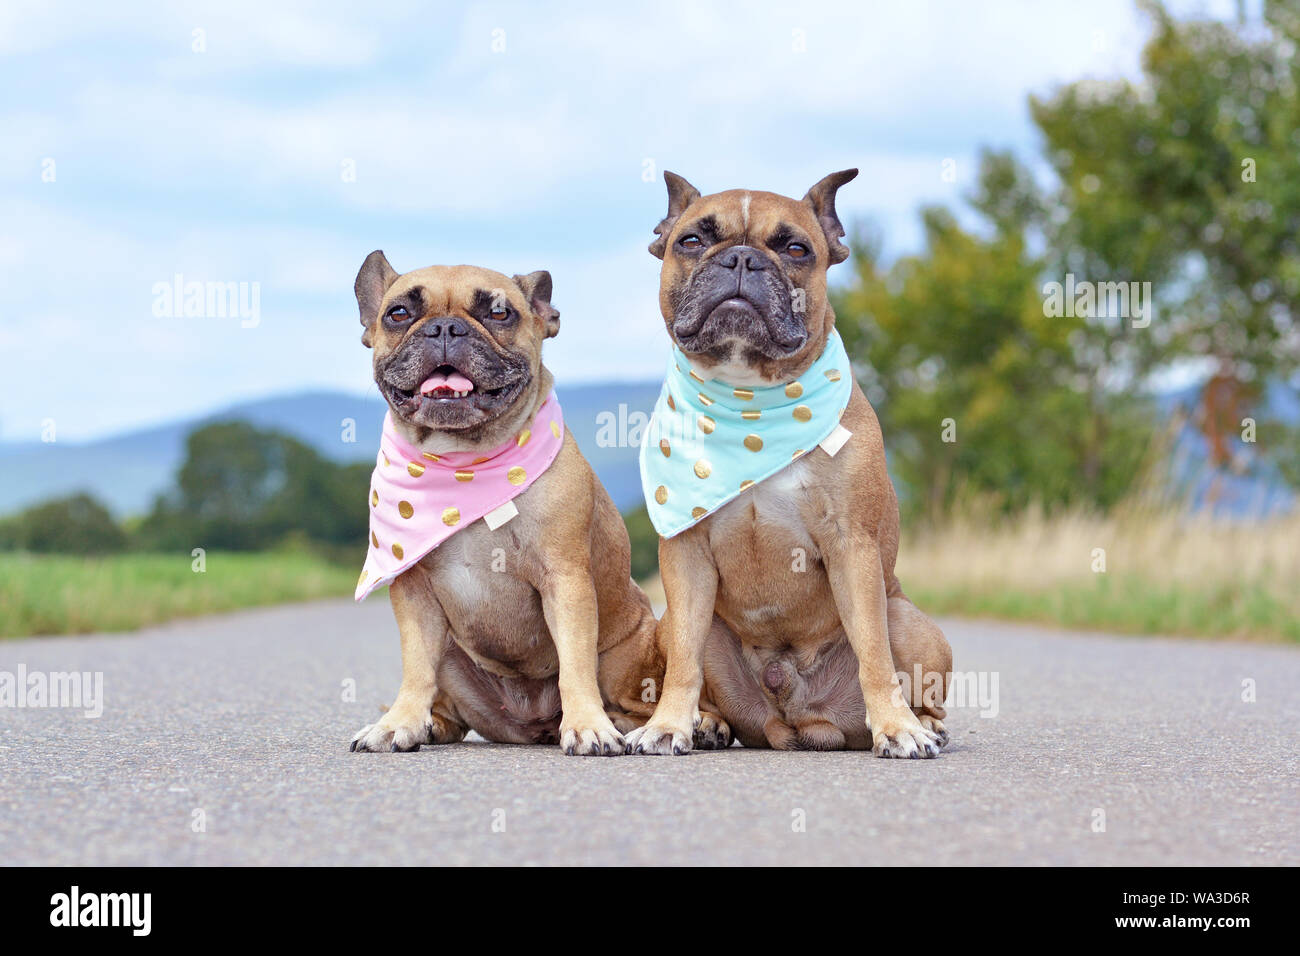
{"type": "Point", "coordinates": [404, 509]}
{"type": "Point", "coordinates": [431, 456]}
{"type": "Point", "coordinates": [516, 476]}
{"type": "Point", "coordinates": [374, 498]}
{"type": "Point", "coordinates": [703, 469]}
{"type": "Point", "coordinates": [665, 447]}
{"type": "Point", "coordinates": [398, 552]}
{"type": "Point", "coordinates": [793, 390]}
{"type": "Point", "coordinates": [751, 416]}
{"type": "Point", "coordinates": [744, 394]}
{"type": "Point", "coordinates": [464, 476]}
{"type": "Point", "coordinates": [746, 484]}
{"type": "Point", "coordinates": [753, 443]}
{"type": "Point", "coordinates": [705, 400]}
{"type": "Point", "coordinates": [524, 435]}
{"type": "Point", "coordinates": [416, 469]}
{"type": "Point", "coordinates": [797, 453]}
{"type": "Point", "coordinates": [450, 516]}
{"type": "Point", "coordinates": [696, 377]}
{"type": "Point", "coordinates": [362, 580]}
{"type": "Point", "coordinates": [698, 513]}
{"type": "Point", "coordinates": [661, 495]}
{"type": "Point", "coordinates": [385, 457]}
{"type": "Point", "coordinates": [374, 540]}
{"type": "Point", "coordinates": [833, 374]}
{"type": "Point", "coordinates": [555, 429]}
{"type": "Point", "coordinates": [802, 413]}
{"type": "Point", "coordinates": [478, 461]}
{"type": "Point", "coordinates": [671, 403]}
{"type": "Point", "coordinates": [706, 424]}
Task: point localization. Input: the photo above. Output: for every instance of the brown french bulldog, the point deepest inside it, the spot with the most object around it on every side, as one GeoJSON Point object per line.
{"type": "Point", "coordinates": [792, 659]}
{"type": "Point", "coordinates": [533, 632]}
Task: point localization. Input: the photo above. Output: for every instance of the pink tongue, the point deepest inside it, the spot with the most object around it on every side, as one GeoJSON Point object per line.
{"type": "Point", "coordinates": [455, 381]}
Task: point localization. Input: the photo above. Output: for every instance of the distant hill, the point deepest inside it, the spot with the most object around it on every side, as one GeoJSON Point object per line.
{"type": "Point", "coordinates": [127, 471]}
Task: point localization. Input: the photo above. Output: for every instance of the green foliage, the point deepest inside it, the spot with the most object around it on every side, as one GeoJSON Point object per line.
{"type": "Point", "coordinates": [959, 333]}
{"type": "Point", "coordinates": [70, 594]}
{"type": "Point", "coordinates": [1190, 180]}
{"type": "Point", "coordinates": [645, 544]}
{"type": "Point", "coordinates": [78, 524]}
{"type": "Point", "coordinates": [244, 488]}
{"type": "Point", "coordinates": [1136, 604]}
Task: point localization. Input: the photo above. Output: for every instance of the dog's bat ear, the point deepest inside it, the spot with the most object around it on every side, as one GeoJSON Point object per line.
{"type": "Point", "coordinates": [680, 195]}
{"type": "Point", "coordinates": [822, 200]}
{"type": "Point", "coordinates": [373, 280]}
{"type": "Point", "coordinates": [536, 287]}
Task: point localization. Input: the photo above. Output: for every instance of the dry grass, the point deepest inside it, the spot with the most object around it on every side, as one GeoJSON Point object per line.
{"type": "Point", "coordinates": [1165, 572]}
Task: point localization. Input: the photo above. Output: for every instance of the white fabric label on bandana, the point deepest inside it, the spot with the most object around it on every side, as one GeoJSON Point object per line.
{"type": "Point", "coordinates": [500, 515]}
{"type": "Point", "coordinates": [835, 440]}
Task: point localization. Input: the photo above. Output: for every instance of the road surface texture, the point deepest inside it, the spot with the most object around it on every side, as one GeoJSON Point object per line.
{"type": "Point", "coordinates": [225, 741]}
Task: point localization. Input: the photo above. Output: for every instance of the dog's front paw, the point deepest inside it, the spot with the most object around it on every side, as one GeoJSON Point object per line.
{"type": "Point", "coordinates": [594, 738]}
{"type": "Point", "coordinates": [398, 731]}
{"type": "Point", "coordinates": [655, 738]}
{"type": "Point", "coordinates": [711, 733]}
{"type": "Point", "coordinates": [904, 737]}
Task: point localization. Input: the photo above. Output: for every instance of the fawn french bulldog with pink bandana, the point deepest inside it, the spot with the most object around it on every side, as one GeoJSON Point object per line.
{"type": "Point", "coordinates": [506, 562]}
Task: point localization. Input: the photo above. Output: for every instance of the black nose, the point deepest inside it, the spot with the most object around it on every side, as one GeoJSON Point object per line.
{"type": "Point", "coordinates": [452, 326]}
{"type": "Point", "coordinates": [745, 257]}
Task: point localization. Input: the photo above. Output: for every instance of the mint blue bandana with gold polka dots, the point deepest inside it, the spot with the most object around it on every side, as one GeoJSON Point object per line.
{"type": "Point", "coordinates": [709, 441]}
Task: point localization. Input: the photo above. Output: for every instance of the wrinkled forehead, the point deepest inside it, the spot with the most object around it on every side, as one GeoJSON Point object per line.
{"type": "Point", "coordinates": [446, 290]}
{"type": "Point", "coordinates": [749, 213]}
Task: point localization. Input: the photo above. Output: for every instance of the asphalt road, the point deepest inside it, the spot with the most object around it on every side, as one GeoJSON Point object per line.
{"type": "Point", "coordinates": [239, 723]}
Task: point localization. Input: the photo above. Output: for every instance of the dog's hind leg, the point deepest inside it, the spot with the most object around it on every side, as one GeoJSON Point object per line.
{"type": "Point", "coordinates": [712, 732]}
{"type": "Point", "coordinates": [448, 727]}
{"type": "Point", "coordinates": [923, 660]}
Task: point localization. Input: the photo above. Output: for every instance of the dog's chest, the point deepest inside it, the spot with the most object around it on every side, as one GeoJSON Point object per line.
{"type": "Point", "coordinates": [494, 613]}
{"type": "Point", "coordinates": [771, 511]}
{"type": "Point", "coordinates": [770, 574]}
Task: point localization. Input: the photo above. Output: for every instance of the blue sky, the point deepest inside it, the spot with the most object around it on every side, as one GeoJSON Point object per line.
{"type": "Point", "coordinates": [226, 164]}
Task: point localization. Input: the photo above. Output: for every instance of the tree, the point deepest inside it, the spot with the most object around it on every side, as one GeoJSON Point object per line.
{"type": "Point", "coordinates": [244, 488]}
{"type": "Point", "coordinates": [980, 391]}
{"type": "Point", "coordinates": [75, 525]}
{"type": "Point", "coordinates": [1190, 180]}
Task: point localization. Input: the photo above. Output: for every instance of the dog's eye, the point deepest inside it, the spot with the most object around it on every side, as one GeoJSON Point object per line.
{"type": "Point", "coordinates": [499, 312]}
{"type": "Point", "coordinates": [796, 250]}
{"type": "Point", "coordinates": [691, 242]}
{"type": "Point", "coordinates": [398, 313]}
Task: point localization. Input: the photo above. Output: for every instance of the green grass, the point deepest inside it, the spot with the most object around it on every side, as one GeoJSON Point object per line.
{"type": "Point", "coordinates": [1130, 605]}
{"type": "Point", "coordinates": [60, 594]}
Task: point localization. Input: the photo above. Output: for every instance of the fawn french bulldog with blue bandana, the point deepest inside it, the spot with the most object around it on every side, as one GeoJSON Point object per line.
{"type": "Point", "coordinates": [764, 473]}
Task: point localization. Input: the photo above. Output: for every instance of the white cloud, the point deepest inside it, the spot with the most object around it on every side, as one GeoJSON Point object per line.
{"type": "Point", "coordinates": [225, 165]}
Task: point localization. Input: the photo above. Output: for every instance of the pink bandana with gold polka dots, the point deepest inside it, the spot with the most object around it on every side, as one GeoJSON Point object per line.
{"type": "Point", "coordinates": [418, 500]}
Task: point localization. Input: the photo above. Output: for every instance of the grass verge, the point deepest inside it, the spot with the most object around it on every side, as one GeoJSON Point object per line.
{"type": "Point", "coordinates": [61, 594]}
{"type": "Point", "coordinates": [1164, 573]}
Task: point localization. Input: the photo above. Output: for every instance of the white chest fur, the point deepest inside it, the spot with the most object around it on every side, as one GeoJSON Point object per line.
{"type": "Point", "coordinates": [777, 501]}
